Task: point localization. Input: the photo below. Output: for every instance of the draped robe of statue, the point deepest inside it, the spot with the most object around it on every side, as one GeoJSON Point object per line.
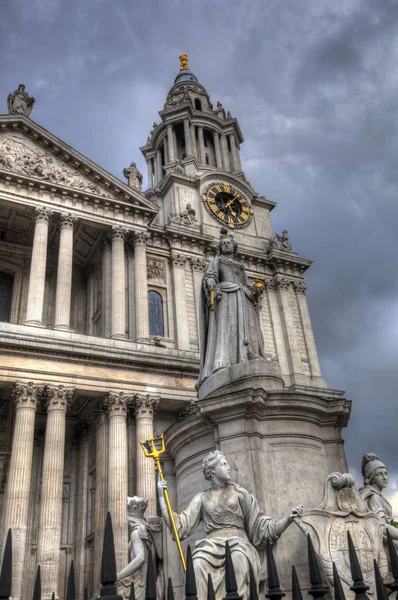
{"type": "Point", "coordinates": [232, 333]}
{"type": "Point", "coordinates": [232, 514]}
{"type": "Point", "coordinates": [376, 502]}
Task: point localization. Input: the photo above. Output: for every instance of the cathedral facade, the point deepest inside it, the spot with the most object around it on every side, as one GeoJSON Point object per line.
{"type": "Point", "coordinates": [100, 286]}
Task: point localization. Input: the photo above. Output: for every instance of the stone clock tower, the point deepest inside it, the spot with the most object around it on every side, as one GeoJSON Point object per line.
{"type": "Point", "coordinates": [279, 428]}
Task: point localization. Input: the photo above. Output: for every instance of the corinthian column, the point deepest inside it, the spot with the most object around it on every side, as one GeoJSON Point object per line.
{"type": "Point", "coordinates": [116, 404]}
{"type": "Point", "coordinates": [64, 274]}
{"type": "Point", "coordinates": [145, 406]}
{"type": "Point", "coordinates": [150, 173]}
{"type": "Point", "coordinates": [225, 153]}
{"type": "Point", "coordinates": [101, 494]}
{"type": "Point", "coordinates": [294, 359]}
{"type": "Point", "coordinates": [187, 136]}
{"type": "Point", "coordinates": [170, 142]}
{"type": "Point", "coordinates": [313, 360]}
{"type": "Point", "coordinates": [141, 285]}
{"type": "Point", "coordinates": [234, 156]}
{"type": "Point", "coordinates": [202, 157]}
{"type": "Point", "coordinates": [37, 277]}
{"type": "Point", "coordinates": [118, 284]}
{"type": "Point", "coordinates": [106, 300]}
{"type": "Point", "coordinates": [18, 484]}
{"type": "Point", "coordinates": [198, 267]}
{"type": "Point", "coordinates": [217, 149]}
{"type": "Point", "coordinates": [178, 262]}
{"type": "Point", "coordinates": [50, 520]}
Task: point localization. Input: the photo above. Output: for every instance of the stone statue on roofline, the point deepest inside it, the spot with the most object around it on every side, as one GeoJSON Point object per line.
{"type": "Point", "coordinates": [133, 176]}
{"type": "Point", "coordinates": [145, 537]}
{"type": "Point", "coordinates": [19, 102]}
{"type": "Point", "coordinates": [226, 511]}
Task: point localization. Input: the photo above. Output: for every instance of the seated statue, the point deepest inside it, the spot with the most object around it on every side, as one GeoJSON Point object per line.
{"type": "Point", "coordinates": [145, 537]}
{"type": "Point", "coordinates": [227, 512]}
{"type": "Point", "coordinates": [375, 479]}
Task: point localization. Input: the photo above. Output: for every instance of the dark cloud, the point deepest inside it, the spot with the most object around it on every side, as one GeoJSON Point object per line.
{"type": "Point", "coordinates": [314, 85]}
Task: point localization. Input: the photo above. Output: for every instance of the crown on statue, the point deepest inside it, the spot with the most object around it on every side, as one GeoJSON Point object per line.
{"type": "Point", "coordinates": [225, 234]}
{"type": "Point", "coordinates": [136, 506]}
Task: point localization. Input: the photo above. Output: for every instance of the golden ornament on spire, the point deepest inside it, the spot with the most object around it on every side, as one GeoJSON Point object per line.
{"type": "Point", "coordinates": [184, 61]}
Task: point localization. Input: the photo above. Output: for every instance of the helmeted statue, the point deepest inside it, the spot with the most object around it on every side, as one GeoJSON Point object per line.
{"type": "Point", "coordinates": [133, 176]}
{"type": "Point", "coordinates": [19, 102]}
{"type": "Point", "coordinates": [375, 479]}
{"type": "Point", "coordinates": [145, 537]}
{"type": "Point", "coordinates": [230, 331]}
{"type": "Point", "coordinates": [227, 512]}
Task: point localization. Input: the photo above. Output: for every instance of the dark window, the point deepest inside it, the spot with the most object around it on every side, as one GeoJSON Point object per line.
{"type": "Point", "coordinates": [207, 160]}
{"type": "Point", "coordinates": [6, 285]}
{"type": "Point", "coordinates": [198, 104]}
{"type": "Point", "coordinates": [155, 312]}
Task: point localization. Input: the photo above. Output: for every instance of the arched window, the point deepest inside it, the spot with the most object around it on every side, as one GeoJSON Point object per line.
{"type": "Point", "coordinates": [198, 104]}
{"type": "Point", "coordinates": [155, 313]}
{"type": "Point", "coordinates": [6, 285]}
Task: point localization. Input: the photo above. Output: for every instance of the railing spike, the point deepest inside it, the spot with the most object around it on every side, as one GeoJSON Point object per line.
{"type": "Point", "coordinates": [150, 585]}
{"type": "Point", "coordinates": [190, 581]}
{"type": "Point", "coordinates": [132, 592]}
{"type": "Point", "coordinates": [170, 591]}
{"type": "Point", "coordinates": [317, 589]}
{"type": "Point", "coordinates": [338, 588]}
{"type": "Point", "coordinates": [253, 592]}
{"type": "Point", "coordinates": [210, 589]}
{"type": "Point", "coordinates": [6, 569]}
{"type": "Point", "coordinates": [85, 594]}
{"type": "Point", "coordinates": [37, 586]}
{"type": "Point", "coordinates": [231, 586]}
{"type": "Point", "coordinates": [380, 587]}
{"type": "Point", "coordinates": [296, 589]}
{"type": "Point", "coordinates": [359, 587]}
{"type": "Point", "coordinates": [53, 596]}
{"type": "Point", "coordinates": [274, 590]}
{"type": "Point", "coordinates": [70, 591]}
{"type": "Point", "coordinates": [108, 563]}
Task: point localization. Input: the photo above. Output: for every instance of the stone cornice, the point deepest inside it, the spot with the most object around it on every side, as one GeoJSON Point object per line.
{"type": "Point", "coordinates": [49, 142]}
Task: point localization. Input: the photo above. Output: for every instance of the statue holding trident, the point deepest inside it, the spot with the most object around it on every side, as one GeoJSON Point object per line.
{"type": "Point", "coordinates": [227, 512]}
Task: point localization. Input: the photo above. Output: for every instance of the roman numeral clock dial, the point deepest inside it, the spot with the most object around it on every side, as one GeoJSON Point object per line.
{"type": "Point", "coordinates": [228, 205]}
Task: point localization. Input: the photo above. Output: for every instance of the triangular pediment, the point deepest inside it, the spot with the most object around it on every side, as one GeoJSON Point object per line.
{"type": "Point", "coordinates": [28, 150]}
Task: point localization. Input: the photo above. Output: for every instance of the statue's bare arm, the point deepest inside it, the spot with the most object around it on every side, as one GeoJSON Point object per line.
{"type": "Point", "coordinates": [284, 523]}
{"type": "Point", "coordinates": [138, 551]}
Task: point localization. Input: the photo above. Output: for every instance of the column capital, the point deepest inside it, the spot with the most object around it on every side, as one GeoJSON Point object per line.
{"type": "Point", "coordinates": [145, 405]}
{"type": "Point", "coordinates": [117, 232]}
{"type": "Point", "coordinates": [198, 264]}
{"type": "Point", "coordinates": [42, 213]}
{"type": "Point", "coordinates": [26, 394]}
{"type": "Point", "coordinates": [300, 287]}
{"type": "Point", "coordinates": [58, 398]}
{"type": "Point", "coordinates": [140, 238]}
{"type": "Point", "coordinates": [283, 284]}
{"type": "Point", "coordinates": [178, 260]}
{"type": "Point", "coordinates": [116, 403]}
{"type": "Point", "coordinates": [68, 220]}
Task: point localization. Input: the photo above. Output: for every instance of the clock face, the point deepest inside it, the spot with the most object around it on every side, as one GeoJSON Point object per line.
{"type": "Point", "coordinates": [228, 205]}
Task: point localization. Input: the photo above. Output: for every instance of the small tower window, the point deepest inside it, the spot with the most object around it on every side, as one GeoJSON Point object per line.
{"type": "Point", "coordinates": [207, 160]}
{"type": "Point", "coordinates": [198, 104]}
{"type": "Point", "coordinates": [6, 285]}
{"type": "Point", "coordinates": [155, 313]}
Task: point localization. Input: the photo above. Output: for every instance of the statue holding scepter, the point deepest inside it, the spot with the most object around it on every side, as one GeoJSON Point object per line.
{"type": "Point", "coordinates": [227, 512]}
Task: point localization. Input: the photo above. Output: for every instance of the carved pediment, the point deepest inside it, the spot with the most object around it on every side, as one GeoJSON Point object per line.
{"type": "Point", "coordinates": [19, 154]}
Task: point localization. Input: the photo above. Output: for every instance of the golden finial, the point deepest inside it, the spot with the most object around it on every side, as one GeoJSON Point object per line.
{"type": "Point", "coordinates": [184, 61]}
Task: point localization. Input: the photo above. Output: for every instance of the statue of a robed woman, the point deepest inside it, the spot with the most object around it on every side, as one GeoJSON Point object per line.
{"type": "Point", "coordinates": [227, 512]}
{"type": "Point", "coordinates": [230, 331]}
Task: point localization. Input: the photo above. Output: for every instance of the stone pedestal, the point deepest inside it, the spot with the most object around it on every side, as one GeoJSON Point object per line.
{"type": "Point", "coordinates": [19, 477]}
{"type": "Point", "coordinates": [145, 406]}
{"type": "Point", "coordinates": [280, 444]}
{"type": "Point", "coordinates": [49, 539]}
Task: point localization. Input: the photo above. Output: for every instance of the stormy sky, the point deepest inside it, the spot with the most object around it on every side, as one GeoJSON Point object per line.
{"type": "Point", "coordinates": [314, 85]}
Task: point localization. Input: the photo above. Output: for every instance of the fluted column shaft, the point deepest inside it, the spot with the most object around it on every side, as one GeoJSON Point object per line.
{"type": "Point", "coordinates": [201, 140]}
{"type": "Point", "coordinates": [217, 149]}
{"type": "Point", "coordinates": [178, 262]}
{"type": "Point", "coordinates": [193, 142]}
{"type": "Point", "coordinates": [307, 330]}
{"type": "Point", "coordinates": [37, 277]}
{"type": "Point", "coordinates": [101, 494]}
{"type": "Point", "coordinates": [51, 489]}
{"type": "Point", "coordinates": [159, 163]}
{"type": "Point", "coordinates": [187, 136]}
{"type": "Point", "coordinates": [198, 267]}
{"type": "Point", "coordinates": [118, 284]}
{"type": "Point", "coordinates": [141, 285]}
{"type": "Point", "coordinates": [82, 508]}
{"type": "Point", "coordinates": [225, 153]}
{"type": "Point", "coordinates": [64, 273]}
{"type": "Point", "coordinates": [150, 173]}
{"type": "Point", "coordinates": [118, 473]}
{"type": "Point", "coordinates": [294, 359]}
{"type": "Point", "coordinates": [106, 289]}
{"type": "Point", "coordinates": [145, 406]}
{"type": "Point", "coordinates": [235, 162]}
{"type": "Point", "coordinates": [19, 477]}
{"type": "Point", "coordinates": [170, 142]}
{"type": "Point", "coordinates": [165, 150]}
